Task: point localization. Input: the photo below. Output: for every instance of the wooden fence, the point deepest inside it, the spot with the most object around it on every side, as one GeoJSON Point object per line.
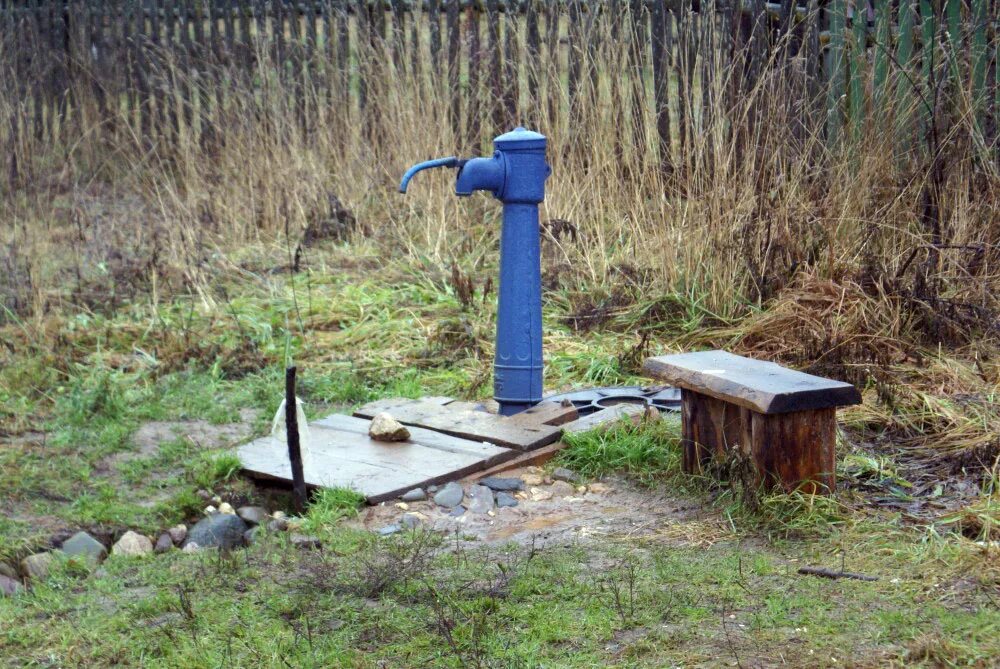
{"type": "Point", "coordinates": [156, 68]}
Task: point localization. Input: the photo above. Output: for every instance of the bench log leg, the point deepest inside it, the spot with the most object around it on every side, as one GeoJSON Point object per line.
{"type": "Point", "coordinates": [709, 428]}
{"type": "Point", "coordinates": [794, 450]}
{"type": "Point", "coordinates": [797, 450]}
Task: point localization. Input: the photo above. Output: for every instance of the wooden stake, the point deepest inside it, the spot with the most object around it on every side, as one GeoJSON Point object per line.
{"type": "Point", "coordinates": [294, 448]}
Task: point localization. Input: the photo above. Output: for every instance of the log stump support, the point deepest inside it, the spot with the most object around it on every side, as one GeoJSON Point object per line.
{"type": "Point", "coordinates": [782, 420]}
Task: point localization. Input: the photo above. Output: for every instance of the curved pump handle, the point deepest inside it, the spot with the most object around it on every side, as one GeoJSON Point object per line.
{"type": "Point", "coordinates": [450, 161]}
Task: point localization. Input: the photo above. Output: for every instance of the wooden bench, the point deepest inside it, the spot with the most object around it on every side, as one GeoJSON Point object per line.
{"type": "Point", "coordinates": [784, 420]}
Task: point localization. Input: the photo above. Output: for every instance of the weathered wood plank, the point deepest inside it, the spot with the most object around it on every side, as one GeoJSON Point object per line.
{"type": "Point", "coordinates": [547, 413]}
{"type": "Point", "coordinates": [760, 386]}
{"type": "Point", "coordinates": [710, 427]}
{"type": "Point", "coordinates": [465, 423]}
{"type": "Point", "coordinates": [339, 453]}
{"type": "Point", "coordinates": [796, 450]}
{"type": "Point", "coordinates": [537, 457]}
{"type": "Point", "coordinates": [603, 418]}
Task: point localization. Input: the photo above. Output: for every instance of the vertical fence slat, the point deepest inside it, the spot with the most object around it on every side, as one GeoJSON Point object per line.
{"type": "Point", "coordinates": [638, 48]}
{"type": "Point", "coordinates": [473, 127]}
{"type": "Point", "coordinates": [553, 86]}
{"type": "Point", "coordinates": [512, 69]}
{"type": "Point", "coordinates": [434, 29]}
{"type": "Point", "coordinates": [454, 55]}
{"type": "Point", "coordinates": [495, 85]}
{"type": "Point", "coordinates": [904, 85]}
{"type": "Point", "coordinates": [532, 63]}
{"type": "Point", "coordinates": [659, 39]}
{"type": "Point", "coordinates": [834, 71]}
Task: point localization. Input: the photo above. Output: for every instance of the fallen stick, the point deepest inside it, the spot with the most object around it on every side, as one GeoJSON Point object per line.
{"type": "Point", "coordinates": [823, 572]}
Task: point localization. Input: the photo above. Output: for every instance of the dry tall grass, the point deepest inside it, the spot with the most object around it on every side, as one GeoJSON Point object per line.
{"type": "Point", "coordinates": [822, 255]}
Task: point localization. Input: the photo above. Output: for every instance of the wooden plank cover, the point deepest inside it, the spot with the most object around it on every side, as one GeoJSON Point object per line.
{"type": "Point", "coordinates": [463, 422]}
{"type": "Point", "coordinates": [339, 453]}
{"type": "Point", "coordinates": [762, 387]}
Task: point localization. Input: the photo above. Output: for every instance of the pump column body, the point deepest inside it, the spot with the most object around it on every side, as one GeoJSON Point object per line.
{"type": "Point", "coordinates": [518, 366]}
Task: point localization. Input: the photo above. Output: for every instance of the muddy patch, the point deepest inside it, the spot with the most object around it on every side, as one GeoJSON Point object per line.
{"type": "Point", "coordinates": [614, 509]}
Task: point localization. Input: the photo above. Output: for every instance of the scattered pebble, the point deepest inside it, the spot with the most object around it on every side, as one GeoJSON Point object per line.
{"type": "Point", "coordinates": [539, 495]}
{"type": "Point", "coordinates": [386, 428]}
{"type": "Point", "coordinates": [218, 531]}
{"type": "Point", "coordinates": [178, 533]}
{"type": "Point", "coordinates": [254, 515]}
{"type": "Point", "coordinates": [502, 484]}
{"type": "Point", "coordinates": [411, 520]}
{"type": "Point", "coordinates": [306, 542]}
{"type": "Point", "coordinates": [402, 506]}
{"type": "Point", "coordinates": [562, 489]}
{"type": "Point", "coordinates": [227, 508]}
{"type": "Point", "coordinates": [450, 495]}
{"type": "Point", "coordinates": [457, 511]}
{"type": "Point", "coordinates": [388, 530]}
{"type": "Point", "coordinates": [191, 547]}
{"type": "Point", "coordinates": [533, 479]}
{"type": "Point", "coordinates": [163, 544]}
{"type": "Point", "coordinates": [505, 499]}
{"type": "Point", "coordinates": [415, 495]}
{"type": "Point", "coordinates": [204, 494]}
{"type": "Point", "coordinates": [563, 474]}
{"type": "Point", "coordinates": [9, 587]}
{"type": "Point", "coordinates": [216, 500]}
{"type": "Point", "coordinates": [210, 510]}
{"type": "Point", "coordinates": [278, 514]}
{"type": "Point", "coordinates": [277, 525]}
{"type": "Point", "coordinates": [132, 544]}
{"type": "Point", "coordinates": [7, 570]}
{"type": "Point", "coordinates": [250, 536]}
{"type": "Point", "coordinates": [599, 488]}
{"type": "Point", "coordinates": [37, 566]}
{"type": "Point", "coordinates": [480, 499]}
{"type": "Point", "coordinates": [84, 547]}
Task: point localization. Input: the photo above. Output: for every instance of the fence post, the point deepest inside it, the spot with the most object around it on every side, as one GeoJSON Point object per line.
{"type": "Point", "coordinates": [834, 71]}
{"type": "Point", "coordinates": [661, 76]}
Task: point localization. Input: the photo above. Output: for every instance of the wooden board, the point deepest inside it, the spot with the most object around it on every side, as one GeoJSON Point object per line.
{"type": "Point", "coordinates": [536, 457]}
{"type": "Point", "coordinates": [464, 422]}
{"type": "Point", "coordinates": [339, 453]}
{"type": "Point", "coordinates": [762, 387]}
{"type": "Point", "coordinates": [604, 418]}
{"type": "Point", "coordinates": [546, 413]}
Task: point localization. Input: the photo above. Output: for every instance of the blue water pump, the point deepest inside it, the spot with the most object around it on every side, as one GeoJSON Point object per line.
{"type": "Point", "coordinates": [516, 176]}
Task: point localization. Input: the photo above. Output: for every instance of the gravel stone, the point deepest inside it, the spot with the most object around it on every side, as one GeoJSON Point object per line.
{"type": "Point", "coordinates": [386, 428]}
{"type": "Point", "coordinates": [480, 499]}
{"type": "Point", "coordinates": [37, 566]}
{"type": "Point", "coordinates": [132, 544]}
{"type": "Point", "coordinates": [450, 495]}
{"type": "Point", "coordinates": [389, 530]}
{"type": "Point", "coordinates": [178, 533]}
{"type": "Point", "coordinates": [505, 499]}
{"type": "Point", "coordinates": [9, 587]}
{"type": "Point", "coordinates": [254, 515]}
{"type": "Point", "coordinates": [84, 547]}
{"type": "Point", "coordinates": [502, 484]}
{"type": "Point", "coordinates": [563, 474]}
{"type": "Point", "coordinates": [415, 495]}
{"type": "Point", "coordinates": [218, 531]}
{"type": "Point", "coordinates": [163, 544]}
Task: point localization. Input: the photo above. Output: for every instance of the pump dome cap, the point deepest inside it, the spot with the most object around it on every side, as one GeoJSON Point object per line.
{"type": "Point", "coordinates": [519, 138]}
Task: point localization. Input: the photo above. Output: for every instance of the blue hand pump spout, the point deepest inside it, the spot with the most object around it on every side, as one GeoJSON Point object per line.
{"type": "Point", "coordinates": [515, 175]}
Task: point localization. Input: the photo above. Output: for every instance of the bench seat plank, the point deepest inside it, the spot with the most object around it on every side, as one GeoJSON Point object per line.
{"type": "Point", "coordinates": [763, 387]}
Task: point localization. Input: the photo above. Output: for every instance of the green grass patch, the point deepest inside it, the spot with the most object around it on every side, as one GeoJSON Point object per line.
{"type": "Point", "coordinates": [645, 452]}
